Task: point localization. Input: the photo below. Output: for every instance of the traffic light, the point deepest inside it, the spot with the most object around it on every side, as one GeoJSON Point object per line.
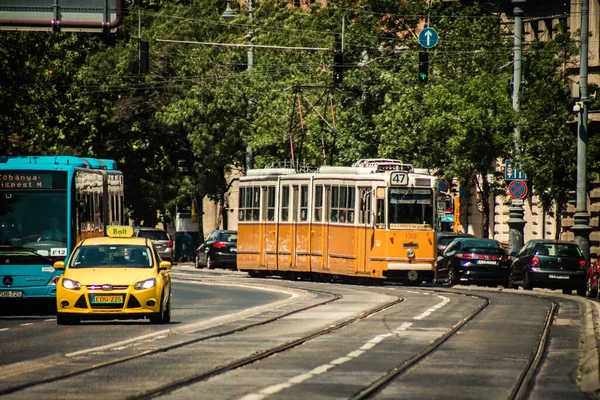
{"type": "Point", "coordinates": [423, 66]}
{"type": "Point", "coordinates": [338, 67]}
{"type": "Point", "coordinates": [144, 57]}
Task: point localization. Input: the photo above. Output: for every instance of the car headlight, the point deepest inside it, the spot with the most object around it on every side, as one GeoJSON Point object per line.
{"type": "Point", "coordinates": [147, 284]}
{"type": "Point", "coordinates": [71, 284]}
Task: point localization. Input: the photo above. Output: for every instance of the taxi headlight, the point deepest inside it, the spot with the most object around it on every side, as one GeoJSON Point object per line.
{"type": "Point", "coordinates": [70, 284]}
{"type": "Point", "coordinates": [147, 284]}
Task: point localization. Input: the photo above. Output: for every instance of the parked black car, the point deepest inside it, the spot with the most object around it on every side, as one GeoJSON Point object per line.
{"type": "Point", "coordinates": [549, 264]}
{"type": "Point", "coordinates": [443, 239]}
{"type": "Point", "coordinates": [218, 250]}
{"type": "Point", "coordinates": [473, 260]}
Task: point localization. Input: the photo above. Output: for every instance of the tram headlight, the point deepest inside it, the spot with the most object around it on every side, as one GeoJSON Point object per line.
{"type": "Point", "coordinates": [70, 284]}
{"type": "Point", "coordinates": [410, 253]}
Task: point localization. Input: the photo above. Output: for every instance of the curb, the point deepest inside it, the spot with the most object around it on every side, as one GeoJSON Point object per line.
{"type": "Point", "coordinates": [589, 371]}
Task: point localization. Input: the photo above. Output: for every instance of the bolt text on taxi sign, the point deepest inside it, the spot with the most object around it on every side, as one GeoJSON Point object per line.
{"type": "Point", "coordinates": [117, 231]}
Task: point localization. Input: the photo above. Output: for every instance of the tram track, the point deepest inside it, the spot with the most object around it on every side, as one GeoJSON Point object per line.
{"type": "Point", "coordinates": [519, 391]}
{"type": "Point", "coordinates": [169, 387]}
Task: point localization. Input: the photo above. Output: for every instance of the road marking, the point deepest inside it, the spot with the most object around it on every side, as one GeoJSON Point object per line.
{"type": "Point", "coordinates": [269, 390]}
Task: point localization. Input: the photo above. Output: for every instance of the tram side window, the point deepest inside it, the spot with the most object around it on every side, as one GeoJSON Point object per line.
{"type": "Point", "coordinates": [271, 203]}
{"type": "Point", "coordinates": [249, 204]}
{"type": "Point", "coordinates": [318, 203]}
{"type": "Point", "coordinates": [380, 220]}
{"type": "Point", "coordinates": [335, 204]}
{"type": "Point", "coordinates": [303, 202]}
{"type": "Point", "coordinates": [285, 203]}
{"type": "Point", "coordinates": [365, 206]}
{"type": "Point", "coordinates": [342, 204]}
{"type": "Point", "coordinates": [256, 203]}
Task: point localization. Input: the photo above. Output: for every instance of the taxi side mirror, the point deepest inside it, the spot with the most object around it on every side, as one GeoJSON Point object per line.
{"type": "Point", "coordinates": [165, 265]}
{"type": "Point", "coordinates": [59, 265]}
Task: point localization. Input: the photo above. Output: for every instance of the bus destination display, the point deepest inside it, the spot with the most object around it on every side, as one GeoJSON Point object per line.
{"type": "Point", "coordinates": [25, 180]}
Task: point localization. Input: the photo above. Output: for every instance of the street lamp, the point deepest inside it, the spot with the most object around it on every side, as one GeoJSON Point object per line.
{"type": "Point", "coordinates": [229, 14]}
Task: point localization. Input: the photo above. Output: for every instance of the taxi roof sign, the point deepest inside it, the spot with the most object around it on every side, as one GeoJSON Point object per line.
{"type": "Point", "coordinates": [119, 231]}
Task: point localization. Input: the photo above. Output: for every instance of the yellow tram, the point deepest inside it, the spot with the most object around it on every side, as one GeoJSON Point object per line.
{"type": "Point", "coordinates": [373, 220]}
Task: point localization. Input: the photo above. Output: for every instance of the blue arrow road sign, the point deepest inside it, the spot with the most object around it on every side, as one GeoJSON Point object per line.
{"type": "Point", "coordinates": [428, 38]}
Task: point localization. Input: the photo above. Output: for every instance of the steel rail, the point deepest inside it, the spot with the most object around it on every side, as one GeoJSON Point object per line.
{"type": "Point", "coordinates": [170, 387]}
{"type": "Point", "coordinates": [380, 383]}
{"type": "Point", "coordinates": [523, 385]}
{"type": "Point", "coordinates": [28, 385]}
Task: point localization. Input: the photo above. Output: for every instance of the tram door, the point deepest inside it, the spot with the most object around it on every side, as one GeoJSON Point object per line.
{"type": "Point", "coordinates": [294, 227]}
{"type": "Point", "coordinates": [364, 229]}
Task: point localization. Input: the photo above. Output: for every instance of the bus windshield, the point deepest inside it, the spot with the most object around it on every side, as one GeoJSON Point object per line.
{"type": "Point", "coordinates": [34, 220]}
{"type": "Point", "coordinates": [410, 206]}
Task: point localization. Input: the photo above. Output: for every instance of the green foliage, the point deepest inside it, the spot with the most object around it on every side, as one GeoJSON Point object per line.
{"type": "Point", "coordinates": [201, 103]}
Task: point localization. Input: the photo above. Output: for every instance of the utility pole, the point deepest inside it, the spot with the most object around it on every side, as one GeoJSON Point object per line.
{"type": "Point", "coordinates": [515, 212]}
{"type": "Point", "coordinates": [582, 227]}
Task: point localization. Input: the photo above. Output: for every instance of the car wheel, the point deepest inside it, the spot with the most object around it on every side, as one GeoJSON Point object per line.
{"type": "Point", "coordinates": [452, 279]}
{"type": "Point", "coordinates": [62, 319]}
{"type": "Point", "coordinates": [197, 262]}
{"type": "Point", "coordinates": [567, 290]}
{"type": "Point", "coordinates": [162, 316]}
{"type": "Point", "coordinates": [582, 291]}
{"type": "Point", "coordinates": [527, 282]}
{"type": "Point", "coordinates": [589, 291]}
{"type": "Point", "coordinates": [510, 283]}
{"type": "Point", "coordinates": [209, 263]}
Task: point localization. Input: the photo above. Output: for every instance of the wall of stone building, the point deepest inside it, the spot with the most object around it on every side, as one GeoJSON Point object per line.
{"type": "Point", "coordinates": [212, 218]}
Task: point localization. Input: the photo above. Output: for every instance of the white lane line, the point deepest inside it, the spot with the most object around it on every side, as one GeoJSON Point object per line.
{"type": "Point", "coordinates": [26, 324]}
{"type": "Point", "coordinates": [269, 390]}
{"type": "Point", "coordinates": [265, 392]}
{"type": "Point", "coordinates": [445, 300]}
{"type": "Point", "coordinates": [4, 329]}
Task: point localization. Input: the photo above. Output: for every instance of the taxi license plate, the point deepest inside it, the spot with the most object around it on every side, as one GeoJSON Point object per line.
{"type": "Point", "coordinates": [559, 276]}
{"type": "Point", "coordinates": [11, 293]}
{"type": "Point", "coordinates": [104, 299]}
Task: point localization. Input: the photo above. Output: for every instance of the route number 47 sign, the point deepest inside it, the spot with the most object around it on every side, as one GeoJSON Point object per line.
{"type": "Point", "coordinates": [398, 178]}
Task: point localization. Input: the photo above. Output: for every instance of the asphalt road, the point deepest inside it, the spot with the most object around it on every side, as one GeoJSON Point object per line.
{"type": "Point", "coordinates": [484, 358]}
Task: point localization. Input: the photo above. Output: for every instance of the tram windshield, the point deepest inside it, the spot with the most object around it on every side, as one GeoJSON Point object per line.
{"type": "Point", "coordinates": [410, 206]}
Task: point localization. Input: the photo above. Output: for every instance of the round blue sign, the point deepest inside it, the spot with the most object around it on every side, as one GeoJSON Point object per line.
{"type": "Point", "coordinates": [428, 38]}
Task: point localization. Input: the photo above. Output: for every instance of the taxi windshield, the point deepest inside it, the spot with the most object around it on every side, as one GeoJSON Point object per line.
{"type": "Point", "coordinates": [112, 256]}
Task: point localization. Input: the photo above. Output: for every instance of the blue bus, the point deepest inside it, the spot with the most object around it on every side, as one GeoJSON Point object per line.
{"type": "Point", "coordinates": [47, 205]}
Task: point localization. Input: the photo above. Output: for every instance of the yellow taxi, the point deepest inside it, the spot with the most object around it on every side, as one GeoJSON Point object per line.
{"type": "Point", "coordinates": [114, 277]}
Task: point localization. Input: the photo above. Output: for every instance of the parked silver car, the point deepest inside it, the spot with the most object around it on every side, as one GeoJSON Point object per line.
{"type": "Point", "coordinates": [161, 239]}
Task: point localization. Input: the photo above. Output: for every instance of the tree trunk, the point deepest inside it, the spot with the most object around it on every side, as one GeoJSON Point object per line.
{"type": "Point", "coordinates": [485, 199]}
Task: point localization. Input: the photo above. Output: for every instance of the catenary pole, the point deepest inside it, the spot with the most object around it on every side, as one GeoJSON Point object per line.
{"type": "Point", "coordinates": [581, 227]}
{"type": "Point", "coordinates": [515, 211]}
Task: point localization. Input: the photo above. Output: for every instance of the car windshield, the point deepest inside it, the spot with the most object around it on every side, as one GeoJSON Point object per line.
{"type": "Point", "coordinates": [153, 235]}
{"type": "Point", "coordinates": [558, 250]}
{"type": "Point", "coordinates": [108, 256]}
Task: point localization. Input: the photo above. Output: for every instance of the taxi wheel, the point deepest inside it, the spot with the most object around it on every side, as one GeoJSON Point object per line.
{"type": "Point", "coordinates": [163, 316]}
{"type": "Point", "coordinates": [62, 319]}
